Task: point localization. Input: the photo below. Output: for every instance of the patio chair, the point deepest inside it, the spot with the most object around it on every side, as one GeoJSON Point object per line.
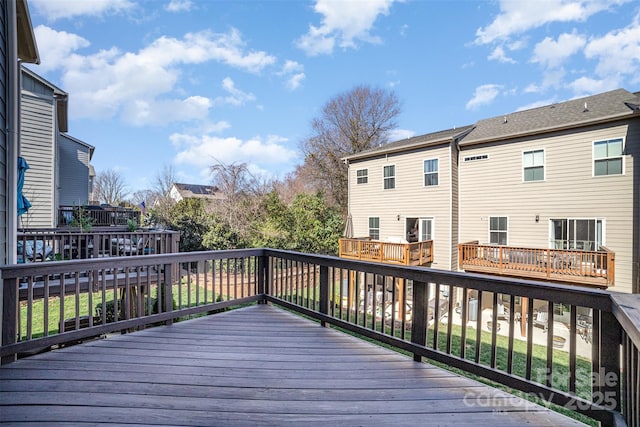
{"type": "Point", "coordinates": [541, 319]}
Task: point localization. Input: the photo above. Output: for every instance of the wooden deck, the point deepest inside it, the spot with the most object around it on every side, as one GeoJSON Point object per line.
{"type": "Point", "coordinates": [258, 365]}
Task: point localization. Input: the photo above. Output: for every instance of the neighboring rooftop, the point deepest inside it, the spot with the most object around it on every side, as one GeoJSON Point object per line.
{"type": "Point", "coordinates": [186, 191]}
{"type": "Point", "coordinates": [603, 107]}
{"type": "Point", "coordinates": [608, 106]}
{"type": "Point", "coordinates": [434, 138]}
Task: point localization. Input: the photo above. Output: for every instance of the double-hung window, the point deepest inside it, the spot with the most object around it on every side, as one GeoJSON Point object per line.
{"type": "Point", "coordinates": [362, 176]}
{"type": "Point", "coordinates": [389, 175]}
{"type": "Point", "coordinates": [374, 228]}
{"type": "Point", "coordinates": [607, 157]}
{"type": "Point", "coordinates": [533, 165]}
{"type": "Point", "coordinates": [430, 172]}
{"type": "Point", "coordinates": [498, 230]}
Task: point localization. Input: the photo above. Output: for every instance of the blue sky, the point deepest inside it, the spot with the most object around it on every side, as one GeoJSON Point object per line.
{"type": "Point", "coordinates": [189, 83]}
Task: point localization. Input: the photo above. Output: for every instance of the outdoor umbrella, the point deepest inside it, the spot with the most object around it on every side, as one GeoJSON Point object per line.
{"type": "Point", "coordinates": [23, 203]}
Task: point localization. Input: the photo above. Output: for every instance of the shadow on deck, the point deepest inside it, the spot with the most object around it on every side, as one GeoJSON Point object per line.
{"type": "Point", "coordinates": [258, 365]}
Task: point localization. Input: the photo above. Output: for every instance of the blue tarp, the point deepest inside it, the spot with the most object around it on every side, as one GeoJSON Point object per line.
{"type": "Point", "coordinates": [23, 203]}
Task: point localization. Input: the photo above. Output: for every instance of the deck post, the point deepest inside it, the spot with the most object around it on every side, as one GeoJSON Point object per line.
{"type": "Point", "coordinates": [9, 314]}
{"type": "Point", "coordinates": [167, 290]}
{"type": "Point", "coordinates": [608, 381]}
{"type": "Point", "coordinates": [419, 320]}
{"type": "Point", "coordinates": [324, 292]}
{"type": "Point", "coordinates": [264, 279]}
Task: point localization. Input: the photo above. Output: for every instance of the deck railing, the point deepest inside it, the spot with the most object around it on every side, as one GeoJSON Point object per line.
{"type": "Point", "coordinates": [365, 249]}
{"type": "Point", "coordinates": [99, 217]}
{"type": "Point", "coordinates": [595, 268]}
{"type": "Point", "coordinates": [58, 244]}
{"type": "Point", "coordinates": [574, 347]}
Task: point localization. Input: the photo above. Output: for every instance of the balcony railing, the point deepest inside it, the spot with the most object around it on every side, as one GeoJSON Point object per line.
{"type": "Point", "coordinates": [364, 249]}
{"type": "Point", "coordinates": [62, 244]}
{"type": "Point", "coordinates": [99, 217]}
{"type": "Point", "coordinates": [582, 354]}
{"type": "Point", "coordinates": [596, 268]}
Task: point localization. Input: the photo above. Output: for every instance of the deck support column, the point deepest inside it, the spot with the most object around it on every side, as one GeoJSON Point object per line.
{"type": "Point", "coordinates": [324, 292]}
{"type": "Point", "coordinates": [9, 313]}
{"type": "Point", "coordinates": [419, 320]}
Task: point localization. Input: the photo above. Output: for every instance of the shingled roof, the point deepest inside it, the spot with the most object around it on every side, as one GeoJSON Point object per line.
{"type": "Point", "coordinates": [594, 109]}
{"type": "Point", "coordinates": [198, 191]}
{"type": "Point", "coordinates": [429, 139]}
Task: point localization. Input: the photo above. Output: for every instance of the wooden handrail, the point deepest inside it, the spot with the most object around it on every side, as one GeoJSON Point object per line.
{"type": "Point", "coordinates": [318, 286]}
{"type": "Point", "coordinates": [589, 267]}
{"type": "Point", "coordinates": [365, 249]}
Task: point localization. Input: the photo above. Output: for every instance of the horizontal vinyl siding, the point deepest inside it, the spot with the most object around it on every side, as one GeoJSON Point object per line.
{"type": "Point", "coordinates": [73, 163]}
{"type": "Point", "coordinates": [37, 147]}
{"type": "Point", "coordinates": [494, 187]}
{"type": "Point", "coordinates": [410, 198]}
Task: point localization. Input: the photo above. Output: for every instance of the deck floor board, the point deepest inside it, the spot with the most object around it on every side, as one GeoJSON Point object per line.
{"type": "Point", "coordinates": [258, 365]}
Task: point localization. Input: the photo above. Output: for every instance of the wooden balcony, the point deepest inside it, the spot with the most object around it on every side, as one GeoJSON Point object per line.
{"type": "Point", "coordinates": [262, 364]}
{"type": "Point", "coordinates": [99, 216]}
{"type": "Point", "coordinates": [365, 249]}
{"type": "Point", "coordinates": [59, 244]}
{"type": "Point", "coordinates": [592, 268]}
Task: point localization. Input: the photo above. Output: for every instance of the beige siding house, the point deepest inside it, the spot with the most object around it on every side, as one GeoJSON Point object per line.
{"type": "Point", "coordinates": [551, 191]}
{"type": "Point", "coordinates": [560, 176]}
{"type": "Point", "coordinates": [402, 192]}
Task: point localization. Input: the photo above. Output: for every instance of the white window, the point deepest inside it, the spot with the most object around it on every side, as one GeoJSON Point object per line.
{"type": "Point", "coordinates": [374, 228]}
{"type": "Point", "coordinates": [430, 172]}
{"type": "Point", "coordinates": [580, 234]}
{"type": "Point", "coordinates": [533, 165]}
{"type": "Point", "coordinates": [389, 174]}
{"type": "Point", "coordinates": [607, 157]}
{"type": "Point", "coordinates": [362, 176]}
{"type": "Point", "coordinates": [498, 230]}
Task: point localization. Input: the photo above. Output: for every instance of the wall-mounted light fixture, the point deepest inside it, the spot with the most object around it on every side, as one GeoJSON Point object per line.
{"type": "Point", "coordinates": [537, 218]}
{"type": "Point", "coordinates": [398, 217]}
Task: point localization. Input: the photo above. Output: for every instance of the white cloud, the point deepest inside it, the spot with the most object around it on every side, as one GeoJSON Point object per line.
{"type": "Point", "coordinates": [179, 6]}
{"type": "Point", "coordinates": [235, 96]}
{"type": "Point", "coordinates": [59, 9]}
{"type": "Point", "coordinates": [398, 134]}
{"type": "Point", "coordinates": [483, 95]}
{"type": "Point", "coordinates": [343, 24]}
{"type": "Point", "coordinates": [204, 150]}
{"type": "Point", "coordinates": [162, 112]}
{"type": "Point", "coordinates": [499, 55]}
{"type": "Point", "coordinates": [618, 52]}
{"type": "Point", "coordinates": [552, 53]}
{"type": "Point", "coordinates": [517, 16]}
{"type": "Point", "coordinates": [55, 47]}
{"type": "Point", "coordinates": [293, 72]}
{"type": "Point", "coordinates": [110, 83]}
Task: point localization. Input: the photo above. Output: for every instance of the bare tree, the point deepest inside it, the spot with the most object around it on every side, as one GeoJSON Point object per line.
{"type": "Point", "coordinates": [164, 180]}
{"type": "Point", "coordinates": [351, 122]}
{"type": "Point", "coordinates": [109, 187]}
{"type": "Point", "coordinates": [243, 193]}
{"type": "Point", "coordinates": [159, 197]}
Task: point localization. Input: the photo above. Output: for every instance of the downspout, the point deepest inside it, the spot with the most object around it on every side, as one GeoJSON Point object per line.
{"type": "Point", "coordinates": [13, 132]}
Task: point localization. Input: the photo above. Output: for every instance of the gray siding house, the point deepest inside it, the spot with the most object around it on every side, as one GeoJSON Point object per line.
{"type": "Point", "coordinates": [555, 181]}
{"type": "Point", "coordinates": [59, 173]}
{"type": "Point", "coordinates": [17, 43]}
{"type": "Point", "coordinates": [75, 177]}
